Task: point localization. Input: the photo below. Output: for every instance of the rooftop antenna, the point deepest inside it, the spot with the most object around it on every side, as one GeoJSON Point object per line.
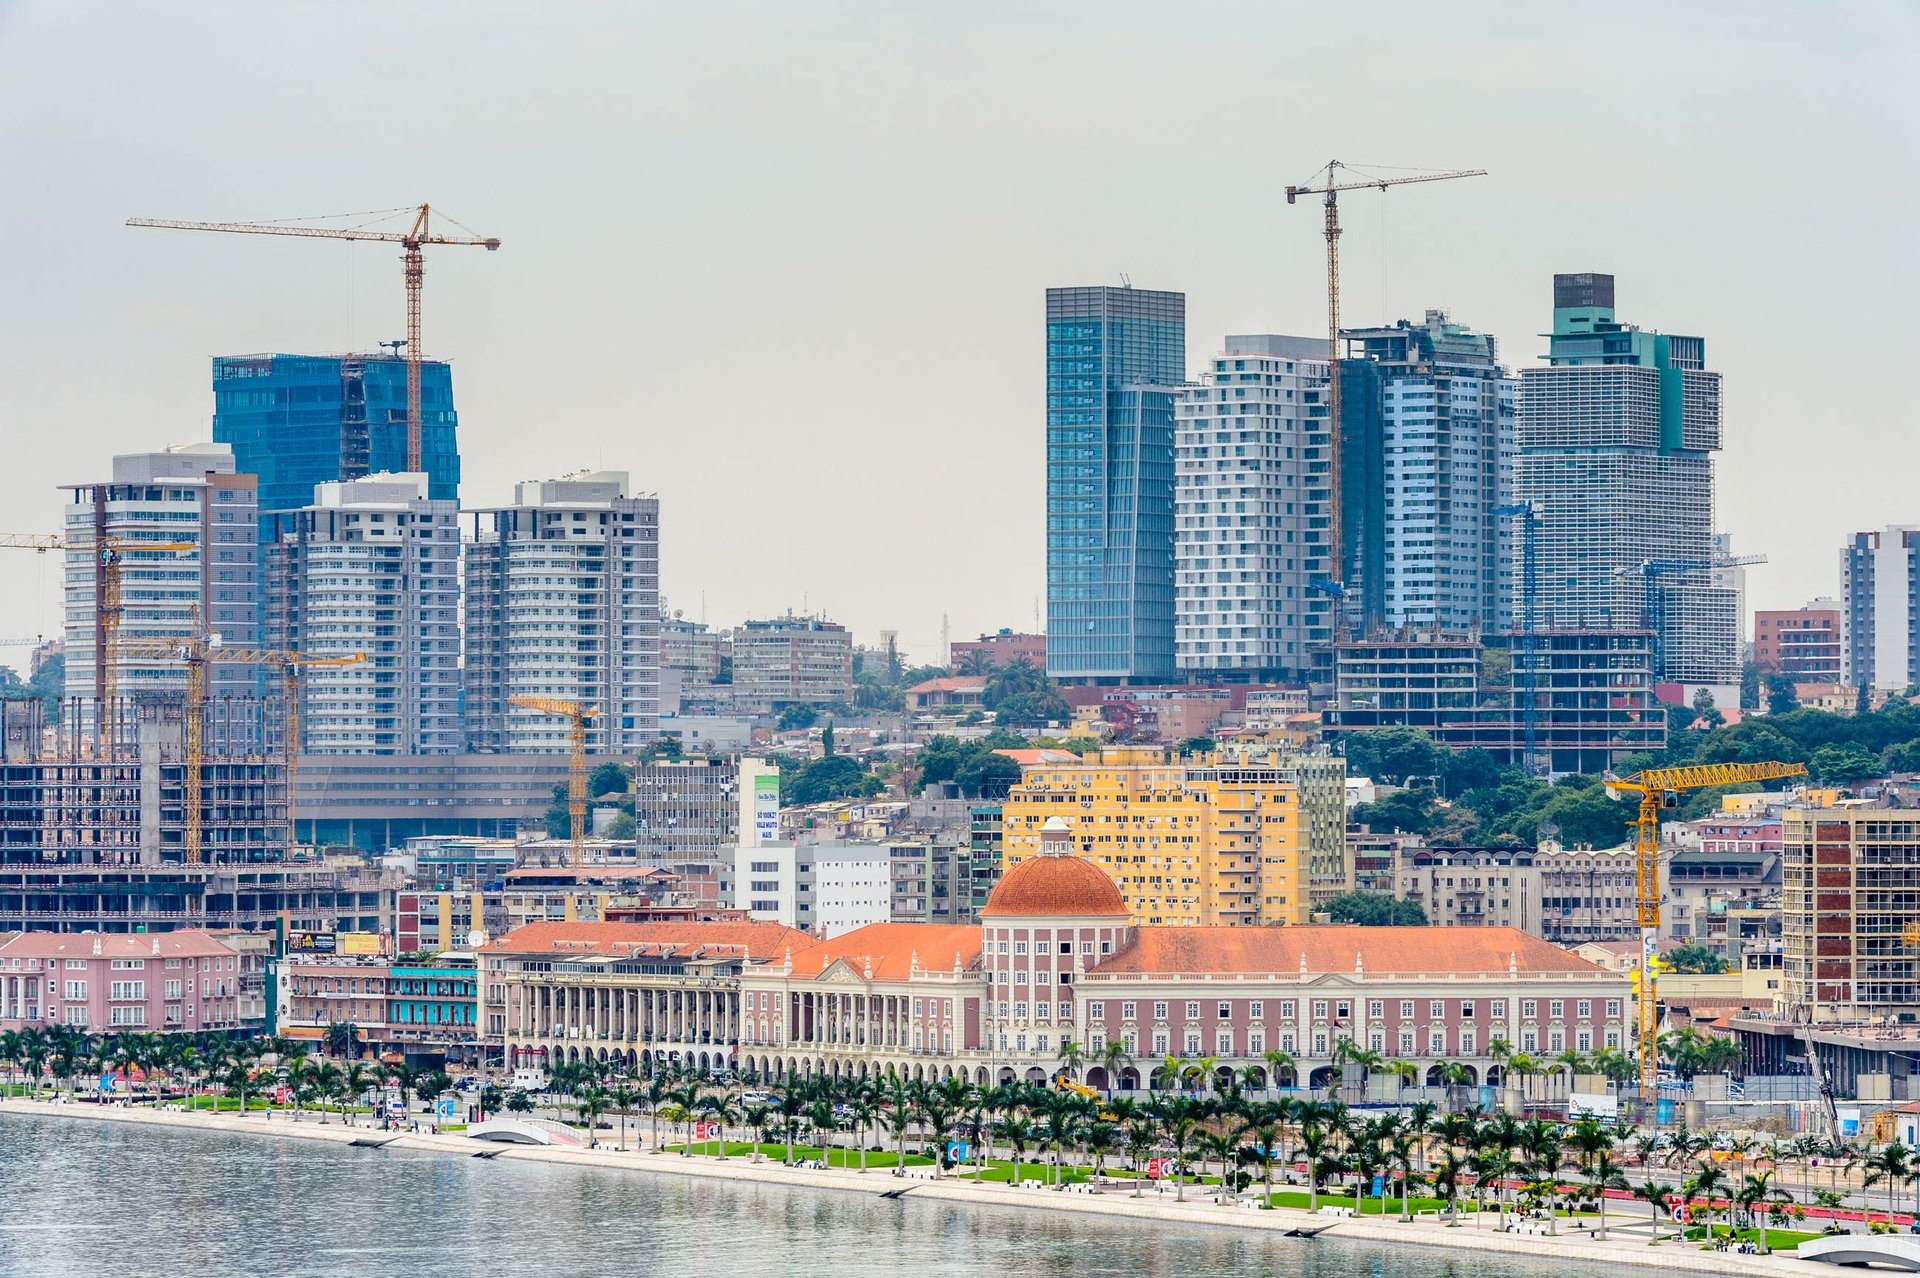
{"type": "Point", "coordinates": [394, 346]}
{"type": "Point", "coordinates": [1126, 281]}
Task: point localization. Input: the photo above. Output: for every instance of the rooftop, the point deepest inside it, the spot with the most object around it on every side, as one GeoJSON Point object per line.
{"type": "Point", "coordinates": [889, 950]}
{"type": "Point", "coordinates": [189, 943]}
{"type": "Point", "coordinates": [1276, 950]}
{"type": "Point", "coordinates": [757, 942]}
{"type": "Point", "coordinates": [1064, 886]}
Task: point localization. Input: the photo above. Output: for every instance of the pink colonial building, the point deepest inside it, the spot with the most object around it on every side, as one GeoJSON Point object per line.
{"type": "Point", "coordinates": [178, 982]}
{"type": "Point", "coordinates": [1057, 958]}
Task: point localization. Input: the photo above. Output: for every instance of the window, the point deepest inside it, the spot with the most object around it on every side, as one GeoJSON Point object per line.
{"type": "Point", "coordinates": [1020, 977]}
{"type": "Point", "coordinates": [1286, 1009]}
{"type": "Point", "coordinates": [1193, 1011]}
{"type": "Point", "coordinates": [1319, 1044]}
{"type": "Point", "coordinates": [76, 989]}
{"type": "Point", "coordinates": [1159, 1042]}
{"type": "Point", "coordinates": [1257, 1010]}
{"type": "Point", "coordinates": [1019, 1011]}
{"type": "Point", "coordinates": [1159, 1011]}
{"type": "Point", "coordinates": [1224, 1045]}
{"type": "Point", "coordinates": [1583, 1009]}
{"type": "Point", "coordinates": [173, 990]}
{"type": "Point", "coordinates": [1041, 977]}
{"type": "Point", "coordinates": [1499, 1009]}
{"type": "Point", "coordinates": [1019, 947]}
{"type": "Point", "coordinates": [1256, 1042]}
{"type": "Point", "coordinates": [1342, 1010]}
{"type": "Point", "coordinates": [1319, 1009]}
{"type": "Point", "coordinates": [1066, 947]}
{"type": "Point", "coordinates": [1226, 1011]}
{"type": "Point", "coordinates": [1469, 1042]}
{"type": "Point", "coordinates": [1406, 1042]}
{"type": "Point", "coordinates": [76, 965]}
{"type": "Point", "coordinates": [1066, 1011]}
{"type": "Point", "coordinates": [1406, 1009]}
{"type": "Point", "coordinates": [1193, 1044]}
{"type": "Point", "coordinates": [1097, 1011]}
{"type": "Point", "coordinates": [1466, 1011]}
{"type": "Point", "coordinates": [1066, 978]}
{"type": "Point", "coordinates": [1129, 1011]}
{"type": "Point", "coordinates": [1436, 1009]}
{"type": "Point", "coordinates": [1376, 1008]}
{"type": "Point", "coordinates": [1556, 1008]}
{"type": "Point", "coordinates": [1529, 1008]}
{"type": "Point", "coordinates": [1613, 1007]}
{"type": "Point", "coordinates": [127, 990]}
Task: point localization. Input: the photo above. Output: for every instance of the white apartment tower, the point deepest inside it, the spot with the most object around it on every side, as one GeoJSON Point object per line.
{"type": "Point", "coordinates": [1880, 609]}
{"type": "Point", "coordinates": [373, 568]}
{"type": "Point", "coordinates": [187, 496]}
{"type": "Point", "coordinates": [1250, 512]}
{"type": "Point", "coordinates": [563, 601]}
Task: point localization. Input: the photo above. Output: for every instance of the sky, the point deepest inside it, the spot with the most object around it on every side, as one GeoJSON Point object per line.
{"type": "Point", "coordinates": [785, 262]}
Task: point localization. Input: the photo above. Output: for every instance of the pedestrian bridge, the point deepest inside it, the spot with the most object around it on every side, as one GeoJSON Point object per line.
{"type": "Point", "coordinates": [1886, 1250]}
{"type": "Point", "coordinates": [525, 1131]}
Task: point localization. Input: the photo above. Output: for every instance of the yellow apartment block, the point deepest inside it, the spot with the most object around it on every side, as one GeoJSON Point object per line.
{"type": "Point", "coordinates": [1211, 839]}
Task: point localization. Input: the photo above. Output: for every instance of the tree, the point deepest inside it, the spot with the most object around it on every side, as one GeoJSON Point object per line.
{"type": "Point", "coordinates": [1393, 754]}
{"type": "Point", "coordinates": [341, 1037]}
{"type": "Point", "coordinates": [1749, 685]}
{"type": "Point", "coordinates": [1904, 757]}
{"type": "Point", "coordinates": [1473, 769]}
{"type": "Point", "coordinates": [1402, 812]}
{"type": "Point", "coordinates": [1843, 765]}
{"type": "Point", "coordinates": [822, 780]}
{"type": "Point", "coordinates": [1375, 909]}
{"type": "Point", "coordinates": [622, 826]}
{"type": "Point", "coordinates": [988, 775]}
{"type": "Point", "coordinates": [607, 778]}
{"type": "Point", "coordinates": [796, 716]}
{"type": "Point", "coordinates": [1782, 696]}
{"type": "Point", "coordinates": [1704, 711]}
{"type": "Point", "coordinates": [1021, 696]}
{"type": "Point", "coordinates": [1695, 958]}
{"type": "Point", "coordinates": [1198, 745]}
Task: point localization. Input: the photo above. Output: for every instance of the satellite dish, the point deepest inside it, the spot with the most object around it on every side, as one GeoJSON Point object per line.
{"type": "Point", "coordinates": [476, 939]}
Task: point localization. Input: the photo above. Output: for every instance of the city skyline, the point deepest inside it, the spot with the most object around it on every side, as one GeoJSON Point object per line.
{"type": "Point", "coordinates": [839, 282]}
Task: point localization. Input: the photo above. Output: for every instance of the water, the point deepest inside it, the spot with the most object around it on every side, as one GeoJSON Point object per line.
{"type": "Point", "coordinates": [80, 1198]}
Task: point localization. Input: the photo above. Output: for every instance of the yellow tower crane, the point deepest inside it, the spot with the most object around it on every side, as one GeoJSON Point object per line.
{"type": "Point", "coordinates": [414, 271]}
{"type": "Point", "coordinates": [197, 653]}
{"type": "Point", "coordinates": [111, 556]}
{"type": "Point", "coordinates": [1328, 182]}
{"type": "Point", "coordinates": [1657, 789]}
{"type": "Point", "coordinates": [576, 765]}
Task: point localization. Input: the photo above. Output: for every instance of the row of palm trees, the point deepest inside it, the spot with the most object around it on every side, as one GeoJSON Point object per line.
{"type": "Point", "coordinates": [242, 1068]}
{"type": "Point", "coordinates": [1494, 1163]}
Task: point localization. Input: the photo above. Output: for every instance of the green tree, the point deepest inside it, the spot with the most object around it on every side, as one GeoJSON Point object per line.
{"type": "Point", "coordinates": [1843, 765]}
{"type": "Point", "coordinates": [1198, 745]}
{"type": "Point", "coordinates": [1402, 812]}
{"type": "Point", "coordinates": [1375, 909]}
{"type": "Point", "coordinates": [1749, 685]}
{"type": "Point", "coordinates": [622, 826]}
{"type": "Point", "coordinates": [1392, 754]}
{"type": "Point", "coordinates": [1904, 757]}
{"type": "Point", "coordinates": [988, 775]}
{"type": "Point", "coordinates": [796, 716]}
{"type": "Point", "coordinates": [1704, 711]}
{"type": "Point", "coordinates": [1782, 696]}
{"type": "Point", "coordinates": [832, 777]}
{"type": "Point", "coordinates": [1695, 958]}
{"type": "Point", "coordinates": [608, 778]}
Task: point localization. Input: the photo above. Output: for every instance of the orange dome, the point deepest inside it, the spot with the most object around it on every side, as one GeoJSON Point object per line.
{"type": "Point", "coordinates": [1064, 886]}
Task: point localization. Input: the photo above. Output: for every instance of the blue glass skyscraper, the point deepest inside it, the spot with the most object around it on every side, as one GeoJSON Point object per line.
{"type": "Point", "coordinates": [299, 420]}
{"type": "Point", "coordinates": [1116, 358]}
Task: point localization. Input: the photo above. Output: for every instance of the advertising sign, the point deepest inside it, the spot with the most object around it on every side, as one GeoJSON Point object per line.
{"type": "Point", "coordinates": [310, 943]}
{"type": "Point", "coordinates": [359, 942]}
{"type": "Point", "coordinates": [766, 809]}
{"type": "Point", "coordinates": [1592, 1105]}
{"type": "Point", "coordinates": [1156, 1168]}
{"type": "Point", "coordinates": [1379, 1185]}
{"type": "Point", "coordinates": [957, 1151]}
{"type": "Point", "coordinates": [445, 1106]}
{"type": "Point", "coordinates": [1663, 1111]}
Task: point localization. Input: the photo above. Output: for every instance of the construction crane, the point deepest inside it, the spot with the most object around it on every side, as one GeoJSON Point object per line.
{"type": "Point", "coordinates": [197, 652]}
{"type": "Point", "coordinates": [576, 765]}
{"type": "Point", "coordinates": [110, 557]}
{"type": "Point", "coordinates": [1657, 789]}
{"type": "Point", "coordinates": [292, 666]}
{"type": "Point", "coordinates": [1653, 605]}
{"type": "Point", "coordinates": [1328, 183]}
{"type": "Point", "coordinates": [412, 241]}
{"type": "Point", "coordinates": [1528, 513]}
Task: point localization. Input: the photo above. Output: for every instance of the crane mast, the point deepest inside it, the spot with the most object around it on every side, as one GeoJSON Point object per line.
{"type": "Point", "coordinates": [1327, 183]}
{"type": "Point", "coordinates": [413, 272]}
{"type": "Point", "coordinates": [579, 714]}
{"type": "Point", "coordinates": [1658, 788]}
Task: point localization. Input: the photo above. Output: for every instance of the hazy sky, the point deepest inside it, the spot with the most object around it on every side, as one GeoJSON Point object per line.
{"type": "Point", "coordinates": [784, 262]}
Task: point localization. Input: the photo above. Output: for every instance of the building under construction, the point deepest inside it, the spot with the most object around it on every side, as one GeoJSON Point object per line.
{"type": "Point", "coordinates": [93, 841]}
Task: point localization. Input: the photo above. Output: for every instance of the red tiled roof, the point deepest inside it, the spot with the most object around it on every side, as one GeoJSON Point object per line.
{"type": "Point", "coordinates": [190, 943]}
{"type": "Point", "coordinates": [760, 942]}
{"type": "Point", "coordinates": [1278, 950]}
{"type": "Point", "coordinates": [950, 683]}
{"type": "Point", "coordinates": [1063, 886]}
{"type": "Point", "coordinates": [891, 948]}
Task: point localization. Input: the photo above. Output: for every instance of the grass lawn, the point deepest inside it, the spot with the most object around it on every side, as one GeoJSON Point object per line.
{"type": "Point", "coordinates": [838, 1156]}
{"type": "Point", "coordinates": [1777, 1239]}
{"type": "Point", "coordinates": [228, 1104]}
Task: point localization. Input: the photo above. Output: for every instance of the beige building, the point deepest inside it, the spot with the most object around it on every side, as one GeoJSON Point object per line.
{"type": "Point", "coordinates": [1217, 838]}
{"type": "Point", "coordinates": [1850, 902]}
{"type": "Point", "coordinates": [791, 660]}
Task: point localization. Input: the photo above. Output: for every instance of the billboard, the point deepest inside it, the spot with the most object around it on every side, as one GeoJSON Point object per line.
{"type": "Point", "coordinates": [359, 943]}
{"type": "Point", "coordinates": [310, 942]}
{"type": "Point", "coordinates": [766, 810]}
{"type": "Point", "coordinates": [1592, 1105]}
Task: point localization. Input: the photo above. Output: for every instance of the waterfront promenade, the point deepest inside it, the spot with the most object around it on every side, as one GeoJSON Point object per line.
{"type": "Point", "coordinates": [1627, 1247]}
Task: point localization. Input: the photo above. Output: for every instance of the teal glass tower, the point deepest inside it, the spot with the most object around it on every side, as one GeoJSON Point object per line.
{"type": "Point", "coordinates": [1116, 358]}
{"type": "Point", "coordinates": [299, 420]}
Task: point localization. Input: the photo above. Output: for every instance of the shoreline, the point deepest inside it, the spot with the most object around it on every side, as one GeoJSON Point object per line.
{"type": "Point", "coordinates": [1631, 1251]}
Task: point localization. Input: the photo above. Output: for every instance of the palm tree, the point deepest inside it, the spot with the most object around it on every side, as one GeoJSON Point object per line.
{"type": "Point", "coordinates": [1020, 1134]}
{"type": "Point", "coordinates": [1571, 1062]}
{"type": "Point", "coordinates": [624, 1096]}
{"type": "Point", "coordinates": [904, 1106]}
{"type": "Point", "coordinates": [1140, 1142]}
{"type": "Point", "coordinates": [1278, 1063]}
{"type": "Point", "coordinates": [1114, 1058]}
{"type": "Point", "coordinates": [1180, 1120]}
{"type": "Point", "coordinates": [1169, 1072]}
{"type": "Point", "coordinates": [1061, 1113]}
{"type": "Point", "coordinates": [324, 1078]}
{"type": "Point", "coordinates": [1757, 1192]}
{"type": "Point", "coordinates": [1446, 1183]}
{"type": "Point", "coordinates": [1526, 1067]}
{"type": "Point", "coordinates": [1891, 1163]}
{"type": "Point", "coordinates": [1221, 1145]}
{"type": "Point", "coordinates": [1072, 1057]}
{"type": "Point", "coordinates": [1367, 1059]}
{"type": "Point", "coordinates": [1604, 1173]}
{"type": "Point", "coordinates": [593, 1103]}
{"type": "Point", "coordinates": [1703, 1184]}
{"type": "Point", "coordinates": [1658, 1197]}
{"type": "Point", "coordinates": [720, 1111]}
{"type": "Point", "coordinates": [1315, 1143]}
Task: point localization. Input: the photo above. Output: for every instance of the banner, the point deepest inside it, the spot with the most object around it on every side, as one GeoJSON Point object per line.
{"type": "Point", "coordinates": [766, 810]}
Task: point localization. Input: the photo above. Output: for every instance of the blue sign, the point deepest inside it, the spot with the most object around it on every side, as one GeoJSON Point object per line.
{"type": "Point", "coordinates": [106, 1082]}
{"type": "Point", "coordinates": [445, 1107]}
{"type": "Point", "coordinates": [1663, 1110]}
{"type": "Point", "coordinates": [1379, 1185]}
{"type": "Point", "coordinates": [957, 1151]}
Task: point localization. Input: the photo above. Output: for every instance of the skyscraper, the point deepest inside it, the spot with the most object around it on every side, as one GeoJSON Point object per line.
{"type": "Point", "coordinates": [1115, 358]}
{"type": "Point", "coordinates": [1445, 411]}
{"type": "Point", "coordinates": [1616, 439]}
{"type": "Point", "coordinates": [1880, 609]}
{"type": "Point", "coordinates": [1251, 498]}
{"type": "Point", "coordinates": [372, 567]}
{"type": "Point", "coordinates": [185, 495]}
{"type": "Point", "coordinates": [563, 601]}
{"type": "Point", "coordinates": [300, 420]}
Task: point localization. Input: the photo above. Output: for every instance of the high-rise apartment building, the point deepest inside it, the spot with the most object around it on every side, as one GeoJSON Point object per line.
{"type": "Point", "coordinates": [1251, 510]}
{"type": "Point", "coordinates": [1616, 439]}
{"type": "Point", "coordinates": [1848, 895]}
{"type": "Point", "coordinates": [300, 420]}
{"type": "Point", "coordinates": [1115, 358]}
{"type": "Point", "coordinates": [1804, 643]}
{"type": "Point", "coordinates": [1210, 839]}
{"type": "Point", "coordinates": [563, 601]}
{"type": "Point", "coordinates": [1445, 410]}
{"type": "Point", "coordinates": [185, 496]}
{"type": "Point", "coordinates": [1880, 609]}
{"type": "Point", "coordinates": [791, 660]}
{"type": "Point", "coordinates": [371, 567]}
